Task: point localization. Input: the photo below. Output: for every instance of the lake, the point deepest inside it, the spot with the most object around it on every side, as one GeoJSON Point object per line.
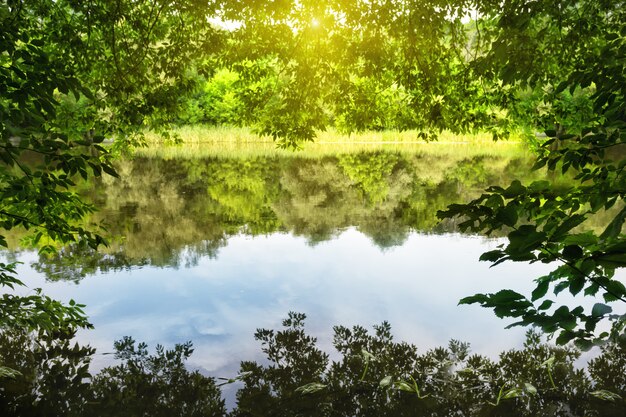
{"type": "Point", "coordinates": [209, 247]}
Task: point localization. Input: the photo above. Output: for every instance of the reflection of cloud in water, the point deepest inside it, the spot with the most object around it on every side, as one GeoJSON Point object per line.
{"type": "Point", "coordinates": [255, 281]}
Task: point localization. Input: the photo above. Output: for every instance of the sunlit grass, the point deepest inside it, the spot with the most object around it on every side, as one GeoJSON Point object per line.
{"type": "Point", "coordinates": [237, 142]}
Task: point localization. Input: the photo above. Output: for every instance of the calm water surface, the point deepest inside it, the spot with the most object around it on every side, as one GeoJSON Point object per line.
{"type": "Point", "coordinates": [210, 249]}
{"type": "Point", "coordinates": [255, 281]}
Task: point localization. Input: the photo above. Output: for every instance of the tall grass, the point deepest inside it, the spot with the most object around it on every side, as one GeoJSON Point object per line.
{"type": "Point", "coordinates": [235, 142]}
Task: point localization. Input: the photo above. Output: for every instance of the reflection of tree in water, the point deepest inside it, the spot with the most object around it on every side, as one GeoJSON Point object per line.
{"type": "Point", "coordinates": [317, 201]}
{"type": "Point", "coordinates": [386, 180]}
{"type": "Point", "coordinates": [74, 262]}
{"type": "Point", "coordinates": [54, 380]}
{"type": "Point", "coordinates": [241, 193]}
{"type": "Point", "coordinates": [53, 372]}
{"type": "Point", "coordinates": [372, 173]}
{"type": "Point", "coordinates": [372, 376]}
{"type": "Point", "coordinates": [376, 376]}
{"type": "Point", "coordinates": [171, 212]}
{"type": "Point", "coordinates": [153, 385]}
{"type": "Point", "coordinates": [154, 212]}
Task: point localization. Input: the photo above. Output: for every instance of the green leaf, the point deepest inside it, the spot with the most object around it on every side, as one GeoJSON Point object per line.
{"type": "Point", "coordinates": [386, 381]}
{"type": "Point", "coordinates": [492, 256]}
{"type": "Point", "coordinates": [606, 395]}
{"type": "Point", "coordinates": [569, 323]}
{"type": "Point", "coordinates": [524, 240]}
{"type": "Point", "coordinates": [541, 290]}
{"type": "Point", "coordinates": [592, 289]}
{"type": "Point", "coordinates": [564, 337]}
{"type": "Point", "coordinates": [530, 388]}
{"type": "Point", "coordinates": [615, 227]}
{"type": "Point", "coordinates": [403, 386]}
{"type": "Point", "coordinates": [505, 296]}
{"type": "Point", "coordinates": [109, 170]}
{"type": "Point", "coordinates": [512, 393]}
{"type": "Point", "coordinates": [311, 388]}
{"type": "Point", "coordinates": [507, 215]}
{"type": "Point", "coordinates": [477, 298]}
{"type": "Point", "coordinates": [561, 87]}
{"type": "Point", "coordinates": [615, 291]}
{"type": "Point", "coordinates": [560, 287]}
{"type": "Point", "coordinates": [576, 284]}
{"type": "Point", "coordinates": [539, 186]}
{"type": "Point", "coordinates": [568, 225]}
{"type": "Point", "coordinates": [612, 260]}
{"type": "Point", "coordinates": [600, 309]}
{"type": "Point", "coordinates": [515, 189]}
{"type": "Point", "coordinates": [545, 305]}
{"type": "Point", "coordinates": [367, 356]}
{"type": "Point", "coordinates": [6, 372]}
{"type": "Point", "coordinates": [587, 266]}
{"type": "Point", "coordinates": [583, 344]}
{"type": "Point", "coordinates": [548, 363]}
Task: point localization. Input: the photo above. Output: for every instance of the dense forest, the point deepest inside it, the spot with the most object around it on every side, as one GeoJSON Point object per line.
{"type": "Point", "coordinates": [82, 83]}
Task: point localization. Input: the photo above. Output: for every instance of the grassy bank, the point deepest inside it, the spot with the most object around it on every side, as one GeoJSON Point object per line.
{"type": "Point", "coordinates": [231, 142]}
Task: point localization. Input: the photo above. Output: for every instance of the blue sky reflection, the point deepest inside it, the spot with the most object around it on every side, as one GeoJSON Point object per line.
{"type": "Point", "coordinates": [255, 281]}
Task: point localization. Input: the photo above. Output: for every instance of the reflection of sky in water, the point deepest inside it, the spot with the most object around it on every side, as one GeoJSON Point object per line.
{"type": "Point", "coordinates": [255, 281]}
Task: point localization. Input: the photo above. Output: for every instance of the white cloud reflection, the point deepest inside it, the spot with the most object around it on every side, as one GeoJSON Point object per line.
{"type": "Point", "coordinates": [255, 282]}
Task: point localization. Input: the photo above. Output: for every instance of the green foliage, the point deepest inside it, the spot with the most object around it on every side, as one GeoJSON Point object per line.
{"type": "Point", "coordinates": [73, 76]}
{"type": "Point", "coordinates": [373, 375]}
{"type": "Point", "coordinates": [61, 104]}
{"type": "Point", "coordinates": [370, 375]}
{"type": "Point", "coordinates": [548, 224]}
{"type": "Point", "coordinates": [50, 375]}
{"type": "Point", "coordinates": [372, 173]}
{"type": "Point", "coordinates": [217, 102]}
{"type": "Point", "coordinates": [360, 65]}
{"type": "Point", "coordinates": [52, 379]}
{"type": "Point", "coordinates": [316, 198]}
{"type": "Point", "coordinates": [155, 385]}
{"type": "Point", "coordinates": [544, 109]}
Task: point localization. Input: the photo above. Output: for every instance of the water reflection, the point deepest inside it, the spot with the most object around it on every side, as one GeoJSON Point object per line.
{"type": "Point", "coordinates": [172, 212]}
{"type": "Point", "coordinates": [209, 249]}
{"type": "Point", "coordinates": [54, 380]}
{"type": "Point", "coordinates": [377, 376]}
{"type": "Point", "coordinates": [219, 302]}
{"type": "Point", "coordinates": [370, 374]}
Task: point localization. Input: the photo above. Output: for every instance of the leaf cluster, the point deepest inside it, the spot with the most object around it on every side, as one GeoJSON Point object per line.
{"type": "Point", "coordinates": [547, 224]}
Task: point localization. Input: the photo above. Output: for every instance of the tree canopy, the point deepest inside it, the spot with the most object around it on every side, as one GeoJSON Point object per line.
{"type": "Point", "coordinates": [74, 75]}
{"type": "Point", "coordinates": [568, 46]}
